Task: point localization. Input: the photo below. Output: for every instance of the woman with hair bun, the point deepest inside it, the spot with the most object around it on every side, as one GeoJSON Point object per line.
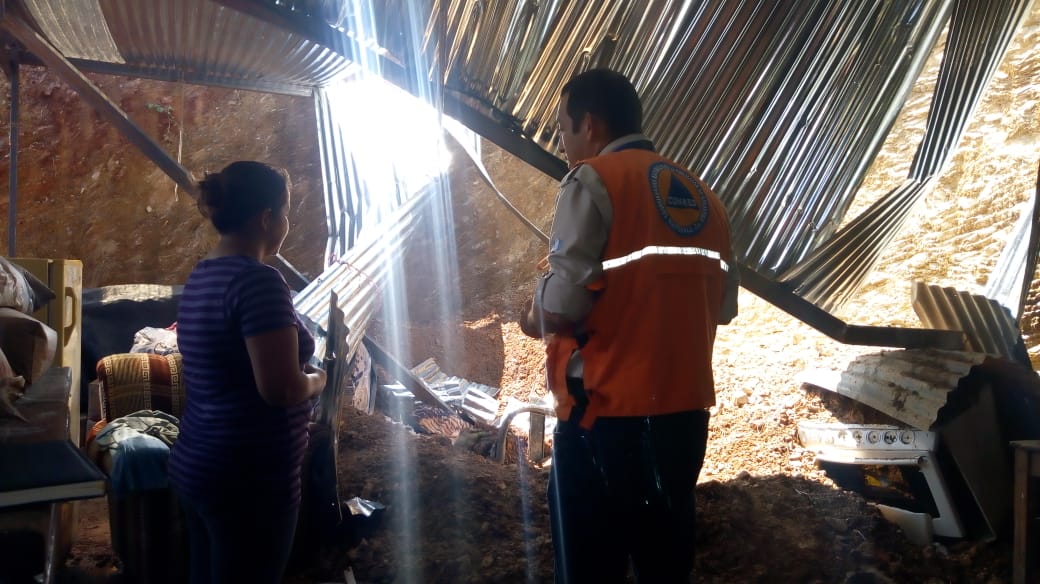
{"type": "Point", "coordinates": [249, 385]}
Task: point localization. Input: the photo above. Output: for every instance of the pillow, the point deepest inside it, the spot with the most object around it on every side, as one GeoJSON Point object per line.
{"type": "Point", "coordinates": [5, 366]}
{"type": "Point", "coordinates": [11, 388]}
{"type": "Point", "coordinates": [151, 339]}
{"type": "Point", "coordinates": [14, 289]}
{"type": "Point", "coordinates": [29, 344]}
{"type": "Point", "coordinates": [40, 294]}
{"type": "Point", "coordinates": [131, 382]}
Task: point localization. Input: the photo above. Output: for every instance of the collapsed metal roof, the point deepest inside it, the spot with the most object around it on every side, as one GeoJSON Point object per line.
{"type": "Point", "coordinates": [910, 386]}
{"type": "Point", "coordinates": [781, 106]}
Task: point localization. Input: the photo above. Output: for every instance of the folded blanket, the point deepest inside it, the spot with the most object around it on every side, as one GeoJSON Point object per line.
{"type": "Point", "coordinates": [139, 447]}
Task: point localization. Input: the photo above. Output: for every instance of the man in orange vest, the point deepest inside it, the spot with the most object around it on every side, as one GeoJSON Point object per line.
{"type": "Point", "coordinates": [640, 275]}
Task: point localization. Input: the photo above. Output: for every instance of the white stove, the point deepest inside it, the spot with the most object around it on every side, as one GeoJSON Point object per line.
{"type": "Point", "coordinates": [883, 445]}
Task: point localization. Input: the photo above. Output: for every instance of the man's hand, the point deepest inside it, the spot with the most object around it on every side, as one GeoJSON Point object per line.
{"type": "Point", "coordinates": [528, 323]}
{"type": "Point", "coordinates": [543, 264]}
{"type": "Point", "coordinates": [537, 323]}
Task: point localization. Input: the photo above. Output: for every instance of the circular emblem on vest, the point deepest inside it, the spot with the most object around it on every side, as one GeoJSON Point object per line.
{"type": "Point", "coordinates": [679, 197]}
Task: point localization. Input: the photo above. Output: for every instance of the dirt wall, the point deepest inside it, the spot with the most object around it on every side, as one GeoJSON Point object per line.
{"type": "Point", "coordinates": [85, 192]}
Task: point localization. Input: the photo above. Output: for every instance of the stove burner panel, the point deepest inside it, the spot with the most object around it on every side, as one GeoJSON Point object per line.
{"type": "Point", "coordinates": [882, 445]}
{"type": "Point", "coordinates": [872, 437]}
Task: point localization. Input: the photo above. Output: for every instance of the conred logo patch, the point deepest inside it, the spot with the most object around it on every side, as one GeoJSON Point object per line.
{"type": "Point", "coordinates": [679, 197]}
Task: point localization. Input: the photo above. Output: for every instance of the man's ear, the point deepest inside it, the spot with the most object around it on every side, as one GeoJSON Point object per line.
{"type": "Point", "coordinates": [596, 129]}
{"type": "Point", "coordinates": [589, 125]}
{"type": "Point", "coordinates": [265, 219]}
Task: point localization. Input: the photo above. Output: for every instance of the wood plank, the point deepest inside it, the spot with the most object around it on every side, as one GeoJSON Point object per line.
{"type": "Point", "coordinates": [536, 437]}
{"type": "Point", "coordinates": [404, 375]}
{"type": "Point", "coordinates": [1021, 517]}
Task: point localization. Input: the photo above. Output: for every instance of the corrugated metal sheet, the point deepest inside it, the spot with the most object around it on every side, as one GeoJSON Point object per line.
{"type": "Point", "coordinates": [199, 41]}
{"type": "Point", "coordinates": [781, 106]}
{"type": "Point", "coordinates": [365, 174]}
{"type": "Point", "coordinates": [345, 199]}
{"type": "Point", "coordinates": [978, 37]}
{"type": "Point", "coordinates": [77, 28]}
{"type": "Point", "coordinates": [1016, 266]}
{"type": "Point", "coordinates": [988, 326]}
{"type": "Point", "coordinates": [359, 277]}
{"type": "Point", "coordinates": [911, 386]}
{"type": "Point", "coordinates": [831, 274]}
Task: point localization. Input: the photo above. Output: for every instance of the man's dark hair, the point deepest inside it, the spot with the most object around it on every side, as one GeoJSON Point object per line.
{"type": "Point", "coordinates": [608, 95]}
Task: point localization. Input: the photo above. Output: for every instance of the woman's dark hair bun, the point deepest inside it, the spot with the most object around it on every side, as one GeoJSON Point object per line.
{"type": "Point", "coordinates": [240, 191]}
{"type": "Point", "coordinates": [211, 194]}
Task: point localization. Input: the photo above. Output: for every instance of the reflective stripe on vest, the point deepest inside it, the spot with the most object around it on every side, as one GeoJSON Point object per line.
{"type": "Point", "coordinates": [665, 250]}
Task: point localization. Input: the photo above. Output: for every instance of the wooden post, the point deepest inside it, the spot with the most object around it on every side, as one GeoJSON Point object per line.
{"type": "Point", "coordinates": [536, 437]}
{"type": "Point", "coordinates": [1027, 469]}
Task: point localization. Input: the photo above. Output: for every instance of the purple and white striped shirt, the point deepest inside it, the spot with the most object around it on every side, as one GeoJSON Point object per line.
{"type": "Point", "coordinates": [232, 443]}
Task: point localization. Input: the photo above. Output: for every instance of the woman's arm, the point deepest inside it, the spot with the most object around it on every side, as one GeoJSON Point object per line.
{"type": "Point", "coordinates": [276, 368]}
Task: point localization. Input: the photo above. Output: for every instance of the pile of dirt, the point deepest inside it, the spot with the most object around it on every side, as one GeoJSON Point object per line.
{"type": "Point", "coordinates": [765, 512]}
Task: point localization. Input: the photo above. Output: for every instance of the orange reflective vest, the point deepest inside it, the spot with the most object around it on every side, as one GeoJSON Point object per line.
{"type": "Point", "coordinates": [648, 339]}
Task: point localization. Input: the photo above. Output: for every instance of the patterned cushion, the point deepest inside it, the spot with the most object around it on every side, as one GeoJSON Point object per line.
{"type": "Point", "coordinates": [437, 421]}
{"type": "Point", "coordinates": [131, 382]}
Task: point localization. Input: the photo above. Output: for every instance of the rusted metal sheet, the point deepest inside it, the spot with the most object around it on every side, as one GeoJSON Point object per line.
{"type": "Point", "coordinates": [911, 386]}
{"type": "Point", "coordinates": [988, 326]}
